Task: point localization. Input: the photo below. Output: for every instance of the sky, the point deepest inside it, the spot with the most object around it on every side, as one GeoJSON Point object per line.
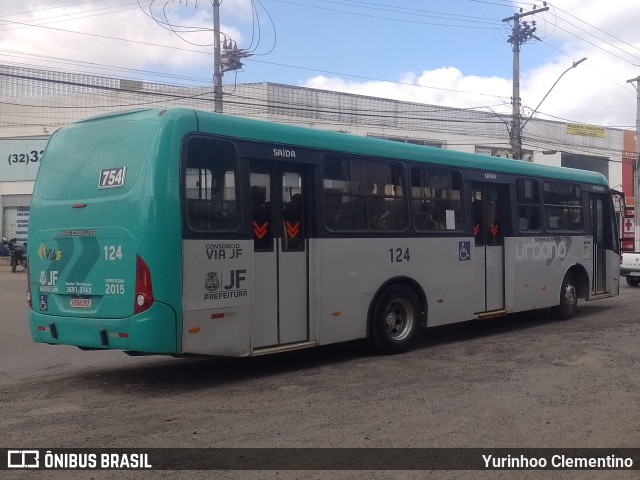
{"type": "Point", "coordinates": [452, 53]}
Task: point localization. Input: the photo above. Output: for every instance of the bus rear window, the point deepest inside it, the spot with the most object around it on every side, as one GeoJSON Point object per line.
{"type": "Point", "coordinates": [210, 185]}
{"type": "Point", "coordinates": [94, 160]}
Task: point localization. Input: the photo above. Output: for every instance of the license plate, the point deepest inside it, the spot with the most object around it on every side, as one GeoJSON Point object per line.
{"type": "Point", "coordinates": [634, 274]}
{"type": "Point", "coordinates": [80, 303]}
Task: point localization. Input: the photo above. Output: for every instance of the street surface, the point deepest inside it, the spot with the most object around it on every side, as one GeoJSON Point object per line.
{"type": "Point", "coordinates": [521, 381]}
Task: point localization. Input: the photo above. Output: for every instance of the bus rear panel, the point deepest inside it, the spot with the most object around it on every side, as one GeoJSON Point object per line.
{"type": "Point", "coordinates": [97, 238]}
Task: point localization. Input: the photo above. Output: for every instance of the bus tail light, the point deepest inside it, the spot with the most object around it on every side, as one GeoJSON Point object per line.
{"type": "Point", "coordinates": [144, 293]}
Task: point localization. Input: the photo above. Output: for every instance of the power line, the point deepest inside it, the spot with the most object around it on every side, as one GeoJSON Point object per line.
{"type": "Point", "coordinates": [598, 29]}
{"type": "Point", "coordinates": [463, 23]}
{"type": "Point", "coordinates": [252, 101]}
{"type": "Point", "coordinates": [366, 5]}
{"type": "Point", "coordinates": [66, 16]}
{"type": "Point", "coordinates": [359, 6]}
{"type": "Point", "coordinates": [434, 124]}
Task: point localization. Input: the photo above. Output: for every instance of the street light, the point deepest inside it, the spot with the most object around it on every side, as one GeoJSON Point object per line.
{"type": "Point", "coordinates": [575, 64]}
{"type": "Point", "coordinates": [517, 127]}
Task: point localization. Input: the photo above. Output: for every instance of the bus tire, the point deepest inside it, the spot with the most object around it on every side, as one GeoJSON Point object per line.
{"type": "Point", "coordinates": [568, 298]}
{"type": "Point", "coordinates": [396, 322]}
{"type": "Point", "coordinates": [633, 281]}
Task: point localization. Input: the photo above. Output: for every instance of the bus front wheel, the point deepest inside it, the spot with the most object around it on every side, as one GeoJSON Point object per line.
{"type": "Point", "coordinates": [568, 298]}
{"type": "Point", "coordinates": [395, 320]}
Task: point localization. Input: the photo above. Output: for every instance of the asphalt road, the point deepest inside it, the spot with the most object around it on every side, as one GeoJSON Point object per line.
{"type": "Point", "coordinates": [516, 382]}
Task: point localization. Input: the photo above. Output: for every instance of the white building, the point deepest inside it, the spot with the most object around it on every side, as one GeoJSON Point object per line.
{"type": "Point", "coordinates": [37, 102]}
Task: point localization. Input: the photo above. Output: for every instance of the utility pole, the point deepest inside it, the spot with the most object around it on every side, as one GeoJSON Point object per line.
{"type": "Point", "coordinates": [223, 61]}
{"type": "Point", "coordinates": [636, 175]}
{"type": "Point", "coordinates": [519, 35]}
{"type": "Point", "coordinates": [217, 59]}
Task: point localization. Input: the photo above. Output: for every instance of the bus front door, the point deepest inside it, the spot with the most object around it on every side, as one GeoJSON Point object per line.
{"type": "Point", "coordinates": [281, 267]}
{"type": "Point", "coordinates": [489, 216]}
{"type": "Point", "coordinates": [602, 235]}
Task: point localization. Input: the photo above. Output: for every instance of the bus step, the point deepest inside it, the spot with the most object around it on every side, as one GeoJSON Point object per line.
{"type": "Point", "coordinates": [598, 296]}
{"type": "Point", "coordinates": [283, 348]}
{"type": "Point", "coordinates": [491, 314]}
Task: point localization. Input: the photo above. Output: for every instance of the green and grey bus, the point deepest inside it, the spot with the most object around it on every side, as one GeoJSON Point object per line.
{"type": "Point", "coordinates": [189, 233]}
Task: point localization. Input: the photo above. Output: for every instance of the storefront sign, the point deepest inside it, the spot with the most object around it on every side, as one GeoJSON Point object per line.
{"type": "Point", "coordinates": [584, 130]}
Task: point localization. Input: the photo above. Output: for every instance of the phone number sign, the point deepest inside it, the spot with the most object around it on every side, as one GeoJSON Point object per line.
{"type": "Point", "coordinates": [21, 158]}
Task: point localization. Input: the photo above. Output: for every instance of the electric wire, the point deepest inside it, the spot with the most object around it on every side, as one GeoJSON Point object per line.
{"type": "Point", "coordinates": [463, 24]}
{"type": "Point", "coordinates": [351, 3]}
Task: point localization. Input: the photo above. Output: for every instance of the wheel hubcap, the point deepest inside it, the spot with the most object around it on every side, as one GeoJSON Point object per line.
{"type": "Point", "coordinates": [399, 320]}
{"type": "Point", "coordinates": [570, 297]}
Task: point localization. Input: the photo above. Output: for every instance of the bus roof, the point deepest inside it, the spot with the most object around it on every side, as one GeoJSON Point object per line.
{"type": "Point", "coordinates": [289, 135]}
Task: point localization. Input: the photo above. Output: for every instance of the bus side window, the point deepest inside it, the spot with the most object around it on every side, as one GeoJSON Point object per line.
{"type": "Point", "coordinates": [478, 217]}
{"type": "Point", "coordinates": [293, 226]}
{"type": "Point", "coordinates": [210, 185]}
{"type": "Point", "coordinates": [528, 205]}
{"type": "Point", "coordinates": [436, 200]}
{"type": "Point", "coordinates": [563, 206]}
{"type": "Point", "coordinates": [344, 194]}
{"type": "Point", "coordinates": [261, 223]}
{"type": "Point", "coordinates": [361, 195]}
{"type": "Point", "coordinates": [345, 215]}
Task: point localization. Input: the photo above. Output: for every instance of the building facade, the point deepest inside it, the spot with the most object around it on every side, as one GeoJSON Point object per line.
{"type": "Point", "coordinates": [37, 102]}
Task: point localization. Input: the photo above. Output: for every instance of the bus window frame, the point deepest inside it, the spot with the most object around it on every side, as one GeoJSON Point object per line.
{"type": "Point", "coordinates": [365, 196]}
{"type": "Point", "coordinates": [462, 200]}
{"type": "Point", "coordinates": [585, 222]}
{"type": "Point", "coordinates": [236, 231]}
{"type": "Point", "coordinates": [539, 205]}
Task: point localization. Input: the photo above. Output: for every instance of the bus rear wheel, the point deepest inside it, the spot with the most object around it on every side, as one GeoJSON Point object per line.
{"type": "Point", "coordinates": [633, 281]}
{"type": "Point", "coordinates": [568, 298]}
{"type": "Point", "coordinates": [395, 320]}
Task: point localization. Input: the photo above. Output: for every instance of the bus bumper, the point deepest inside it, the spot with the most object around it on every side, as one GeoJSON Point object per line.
{"type": "Point", "coordinates": [154, 331]}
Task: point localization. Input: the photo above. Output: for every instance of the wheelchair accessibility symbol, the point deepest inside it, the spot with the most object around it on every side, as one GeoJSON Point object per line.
{"type": "Point", "coordinates": [464, 251]}
{"type": "Point", "coordinates": [44, 303]}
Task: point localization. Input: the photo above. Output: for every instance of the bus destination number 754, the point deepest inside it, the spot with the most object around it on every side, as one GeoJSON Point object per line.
{"type": "Point", "coordinates": [112, 177]}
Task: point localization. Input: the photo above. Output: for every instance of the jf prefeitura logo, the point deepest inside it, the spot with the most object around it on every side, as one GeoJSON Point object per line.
{"type": "Point", "coordinates": [225, 285]}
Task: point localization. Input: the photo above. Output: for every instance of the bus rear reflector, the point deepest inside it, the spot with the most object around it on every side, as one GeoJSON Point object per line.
{"type": "Point", "coordinates": [144, 293]}
{"type": "Point", "coordinates": [29, 293]}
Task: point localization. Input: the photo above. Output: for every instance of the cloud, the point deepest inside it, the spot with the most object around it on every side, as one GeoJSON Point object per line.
{"type": "Point", "coordinates": [443, 86]}
{"type": "Point", "coordinates": [103, 34]}
{"type": "Point", "coordinates": [596, 91]}
{"type": "Point", "coordinates": [41, 33]}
